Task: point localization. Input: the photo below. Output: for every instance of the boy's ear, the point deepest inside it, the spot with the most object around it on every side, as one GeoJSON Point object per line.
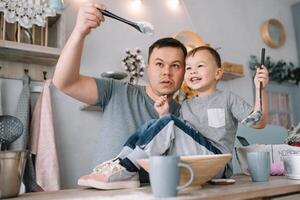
{"type": "Point", "coordinates": [219, 73]}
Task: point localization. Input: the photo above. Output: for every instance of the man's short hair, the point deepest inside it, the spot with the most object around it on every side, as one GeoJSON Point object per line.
{"type": "Point", "coordinates": [167, 42]}
{"type": "Point", "coordinates": [212, 51]}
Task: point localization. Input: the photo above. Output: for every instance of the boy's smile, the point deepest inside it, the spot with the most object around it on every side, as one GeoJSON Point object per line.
{"type": "Point", "coordinates": [195, 80]}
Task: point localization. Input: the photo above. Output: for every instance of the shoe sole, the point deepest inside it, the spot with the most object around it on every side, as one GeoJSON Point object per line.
{"type": "Point", "coordinates": [114, 185]}
{"type": "Point", "coordinates": [84, 183]}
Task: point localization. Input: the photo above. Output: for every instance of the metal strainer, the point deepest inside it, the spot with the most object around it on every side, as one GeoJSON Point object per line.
{"type": "Point", "coordinates": [11, 128]}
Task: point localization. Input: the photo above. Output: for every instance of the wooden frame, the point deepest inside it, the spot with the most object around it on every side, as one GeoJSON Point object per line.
{"type": "Point", "coordinates": [8, 30]}
{"type": "Point", "coordinates": [266, 33]}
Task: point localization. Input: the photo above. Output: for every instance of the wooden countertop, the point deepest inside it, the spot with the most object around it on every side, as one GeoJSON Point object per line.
{"type": "Point", "coordinates": [244, 188]}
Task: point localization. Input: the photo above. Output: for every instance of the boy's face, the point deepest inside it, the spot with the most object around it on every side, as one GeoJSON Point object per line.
{"type": "Point", "coordinates": [165, 70]}
{"type": "Point", "coordinates": [202, 72]}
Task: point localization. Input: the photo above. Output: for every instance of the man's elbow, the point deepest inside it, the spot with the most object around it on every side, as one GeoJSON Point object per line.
{"type": "Point", "coordinates": [60, 85]}
{"type": "Point", "coordinates": [57, 83]}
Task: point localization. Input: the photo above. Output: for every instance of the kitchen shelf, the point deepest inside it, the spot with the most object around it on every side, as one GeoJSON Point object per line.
{"type": "Point", "coordinates": [28, 53]}
{"type": "Point", "coordinates": [232, 71]}
{"type": "Point", "coordinates": [230, 76]}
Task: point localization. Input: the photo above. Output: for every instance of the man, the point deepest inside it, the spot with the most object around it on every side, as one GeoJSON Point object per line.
{"type": "Point", "coordinates": [125, 106]}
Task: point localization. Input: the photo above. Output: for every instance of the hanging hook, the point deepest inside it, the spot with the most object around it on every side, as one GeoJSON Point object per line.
{"type": "Point", "coordinates": [45, 75]}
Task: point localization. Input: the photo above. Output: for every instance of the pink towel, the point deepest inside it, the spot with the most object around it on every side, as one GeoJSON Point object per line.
{"type": "Point", "coordinates": [43, 142]}
{"type": "Point", "coordinates": [277, 169]}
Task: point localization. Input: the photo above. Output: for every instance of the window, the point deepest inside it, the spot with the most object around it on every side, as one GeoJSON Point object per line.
{"type": "Point", "coordinates": [279, 109]}
{"type": "Point", "coordinates": [282, 106]}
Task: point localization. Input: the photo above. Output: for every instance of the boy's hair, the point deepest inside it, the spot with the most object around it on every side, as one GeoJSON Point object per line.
{"type": "Point", "coordinates": [212, 51]}
{"type": "Point", "coordinates": [167, 42]}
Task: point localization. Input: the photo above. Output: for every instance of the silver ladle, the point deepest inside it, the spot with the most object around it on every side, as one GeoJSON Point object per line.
{"type": "Point", "coordinates": [254, 117]}
{"type": "Point", "coordinates": [142, 26]}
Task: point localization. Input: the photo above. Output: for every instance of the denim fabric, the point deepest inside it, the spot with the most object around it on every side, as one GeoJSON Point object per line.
{"type": "Point", "coordinates": [132, 140]}
{"type": "Point", "coordinates": [149, 130]}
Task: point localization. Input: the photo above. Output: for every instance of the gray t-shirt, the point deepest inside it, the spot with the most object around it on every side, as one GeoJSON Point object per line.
{"type": "Point", "coordinates": [125, 108]}
{"type": "Point", "coordinates": [216, 117]}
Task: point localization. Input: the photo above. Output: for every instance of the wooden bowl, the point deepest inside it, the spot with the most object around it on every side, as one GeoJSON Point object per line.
{"type": "Point", "coordinates": [205, 167]}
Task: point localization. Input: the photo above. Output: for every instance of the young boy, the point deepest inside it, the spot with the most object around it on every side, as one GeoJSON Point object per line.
{"type": "Point", "coordinates": [207, 124]}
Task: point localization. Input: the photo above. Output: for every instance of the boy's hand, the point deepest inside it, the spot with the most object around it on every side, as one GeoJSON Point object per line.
{"type": "Point", "coordinates": [162, 105]}
{"type": "Point", "coordinates": [262, 75]}
{"type": "Point", "coordinates": [88, 17]}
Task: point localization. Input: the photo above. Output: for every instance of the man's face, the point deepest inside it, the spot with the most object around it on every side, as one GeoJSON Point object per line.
{"type": "Point", "coordinates": [165, 70]}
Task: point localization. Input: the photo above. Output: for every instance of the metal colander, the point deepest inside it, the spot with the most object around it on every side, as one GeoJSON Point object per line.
{"type": "Point", "coordinates": [11, 128]}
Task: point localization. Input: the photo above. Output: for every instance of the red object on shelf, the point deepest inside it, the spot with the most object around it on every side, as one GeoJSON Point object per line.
{"type": "Point", "coordinates": [295, 144]}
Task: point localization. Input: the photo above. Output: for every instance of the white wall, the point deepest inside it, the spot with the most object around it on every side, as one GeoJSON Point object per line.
{"type": "Point", "coordinates": [235, 27]}
{"type": "Point", "coordinates": [231, 24]}
{"type": "Point", "coordinates": [105, 46]}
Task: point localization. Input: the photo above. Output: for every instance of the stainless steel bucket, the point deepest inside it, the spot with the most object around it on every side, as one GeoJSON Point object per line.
{"type": "Point", "coordinates": [12, 164]}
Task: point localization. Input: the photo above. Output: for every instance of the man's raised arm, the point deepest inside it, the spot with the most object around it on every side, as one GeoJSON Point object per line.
{"type": "Point", "coordinates": [66, 76]}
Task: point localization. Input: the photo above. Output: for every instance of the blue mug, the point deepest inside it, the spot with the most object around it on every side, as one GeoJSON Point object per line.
{"type": "Point", "coordinates": [259, 166]}
{"type": "Point", "coordinates": [56, 4]}
{"type": "Point", "coordinates": [165, 175]}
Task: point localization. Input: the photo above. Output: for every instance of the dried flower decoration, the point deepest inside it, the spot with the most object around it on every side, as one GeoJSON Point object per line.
{"type": "Point", "coordinates": [134, 65]}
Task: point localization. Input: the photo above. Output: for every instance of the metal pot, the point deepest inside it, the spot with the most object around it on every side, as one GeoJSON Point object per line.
{"type": "Point", "coordinates": [12, 164]}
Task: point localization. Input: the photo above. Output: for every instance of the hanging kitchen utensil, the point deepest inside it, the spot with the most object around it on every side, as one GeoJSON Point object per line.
{"type": "Point", "coordinates": [254, 117]}
{"type": "Point", "coordinates": [142, 26]}
{"type": "Point", "coordinates": [11, 128]}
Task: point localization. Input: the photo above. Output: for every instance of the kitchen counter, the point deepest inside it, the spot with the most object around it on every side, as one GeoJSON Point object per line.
{"type": "Point", "coordinates": [279, 187]}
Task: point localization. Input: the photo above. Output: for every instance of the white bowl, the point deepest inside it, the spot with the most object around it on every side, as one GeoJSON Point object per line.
{"type": "Point", "coordinates": [292, 166]}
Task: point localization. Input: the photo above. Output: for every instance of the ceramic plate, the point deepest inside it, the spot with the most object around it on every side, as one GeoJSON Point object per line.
{"type": "Point", "coordinates": [25, 36]}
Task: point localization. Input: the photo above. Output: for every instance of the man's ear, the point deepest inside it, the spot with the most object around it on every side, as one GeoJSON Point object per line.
{"type": "Point", "coordinates": [219, 73]}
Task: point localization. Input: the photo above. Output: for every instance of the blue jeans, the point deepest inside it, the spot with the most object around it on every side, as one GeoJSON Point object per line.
{"type": "Point", "coordinates": [165, 136]}
{"type": "Point", "coordinates": [145, 134]}
{"type": "Point", "coordinates": [132, 140]}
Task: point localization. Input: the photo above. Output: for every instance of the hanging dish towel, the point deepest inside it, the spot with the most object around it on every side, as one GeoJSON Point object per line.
{"type": "Point", "coordinates": [1, 112]}
{"type": "Point", "coordinates": [43, 142]}
{"type": "Point", "coordinates": [23, 114]}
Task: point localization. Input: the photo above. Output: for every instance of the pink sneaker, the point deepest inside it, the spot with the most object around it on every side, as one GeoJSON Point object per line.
{"type": "Point", "coordinates": [83, 180]}
{"type": "Point", "coordinates": [114, 176]}
{"type": "Point", "coordinates": [110, 175]}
